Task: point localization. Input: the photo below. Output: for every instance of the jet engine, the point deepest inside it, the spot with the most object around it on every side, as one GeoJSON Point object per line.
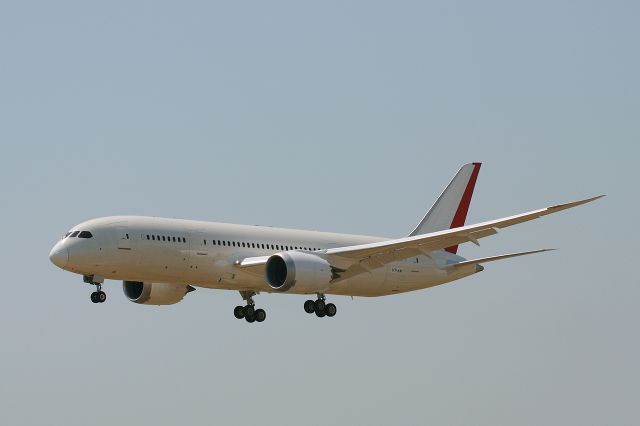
{"type": "Point", "coordinates": [306, 272]}
{"type": "Point", "coordinates": [155, 293]}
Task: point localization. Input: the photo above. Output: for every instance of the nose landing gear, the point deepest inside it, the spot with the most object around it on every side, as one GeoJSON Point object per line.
{"type": "Point", "coordinates": [97, 296]}
{"type": "Point", "coordinates": [320, 307]}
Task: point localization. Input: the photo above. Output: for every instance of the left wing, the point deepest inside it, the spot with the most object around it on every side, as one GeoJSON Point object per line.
{"type": "Point", "coordinates": [375, 255]}
{"type": "Point", "coordinates": [354, 260]}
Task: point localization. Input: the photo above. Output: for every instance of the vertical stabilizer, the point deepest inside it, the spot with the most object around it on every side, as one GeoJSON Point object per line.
{"type": "Point", "coordinates": [450, 209]}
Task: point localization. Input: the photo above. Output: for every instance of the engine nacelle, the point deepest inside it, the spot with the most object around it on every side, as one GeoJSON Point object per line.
{"type": "Point", "coordinates": [154, 293]}
{"type": "Point", "coordinates": [306, 272]}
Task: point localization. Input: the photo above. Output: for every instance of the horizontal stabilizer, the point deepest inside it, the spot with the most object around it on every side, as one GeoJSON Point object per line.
{"type": "Point", "coordinates": [493, 258]}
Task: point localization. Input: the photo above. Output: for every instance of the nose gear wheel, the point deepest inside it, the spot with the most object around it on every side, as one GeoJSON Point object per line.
{"type": "Point", "coordinates": [97, 296]}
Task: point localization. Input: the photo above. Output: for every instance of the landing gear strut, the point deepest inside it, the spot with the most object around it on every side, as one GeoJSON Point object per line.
{"type": "Point", "coordinates": [97, 296]}
{"type": "Point", "coordinates": [320, 307]}
{"type": "Point", "coordinates": [249, 312]}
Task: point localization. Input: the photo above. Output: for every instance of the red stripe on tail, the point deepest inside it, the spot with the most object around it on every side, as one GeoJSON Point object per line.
{"type": "Point", "coordinates": [465, 202]}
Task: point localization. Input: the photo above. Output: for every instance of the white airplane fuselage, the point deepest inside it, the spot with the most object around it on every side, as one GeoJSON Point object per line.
{"type": "Point", "coordinates": [204, 254]}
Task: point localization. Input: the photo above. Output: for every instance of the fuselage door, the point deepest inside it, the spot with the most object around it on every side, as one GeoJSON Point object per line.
{"type": "Point", "coordinates": [124, 238]}
{"type": "Point", "coordinates": [201, 257]}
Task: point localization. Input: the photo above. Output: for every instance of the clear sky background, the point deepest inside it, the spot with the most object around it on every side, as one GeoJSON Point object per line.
{"type": "Point", "coordinates": [336, 116]}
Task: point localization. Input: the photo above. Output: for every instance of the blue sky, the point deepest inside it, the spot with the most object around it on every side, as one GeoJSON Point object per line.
{"type": "Point", "coordinates": [336, 116]}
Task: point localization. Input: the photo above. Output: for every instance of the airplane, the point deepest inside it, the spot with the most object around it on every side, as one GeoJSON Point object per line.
{"type": "Point", "coordinates": [160, 260]}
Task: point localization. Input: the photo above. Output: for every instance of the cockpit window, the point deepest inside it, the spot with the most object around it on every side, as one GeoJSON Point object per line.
{"type": "Point", "coordinates": [74, 234]}
{"type": "Point", "coordinates": [67, 234]}
{"type": "Point", "coordinates": [85, 234]}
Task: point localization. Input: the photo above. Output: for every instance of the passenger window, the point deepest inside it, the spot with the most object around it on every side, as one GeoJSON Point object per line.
{"type": "Point", "coordinates": [127, 236]}
{"type": "Point", "coordinates": [74, 234]}
{"type": "Point", "coordinates": [163, 238]}
{"type": "Point", "coordinates": [85, 234]}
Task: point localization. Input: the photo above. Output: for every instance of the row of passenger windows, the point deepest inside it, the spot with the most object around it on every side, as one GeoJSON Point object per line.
{"type": "Point", "coordinates": [165, 238]}
{"type": "Point", "coordinates": [263, 246]}
{"type": "Point", "coordinates": [225, 243]}
{"type": "Point", "coordinates": [79, 234]}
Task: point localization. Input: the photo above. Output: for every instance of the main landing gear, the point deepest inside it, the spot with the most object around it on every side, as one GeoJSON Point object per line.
{"type": "Point", "coordinates": [249, 312]}
{"type": "Point", "coordinates": [320, 307]}
{"type": "Point", "coordinates": [97, 296]}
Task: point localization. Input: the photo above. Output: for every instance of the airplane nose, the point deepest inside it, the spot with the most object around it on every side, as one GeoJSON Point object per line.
{"type": "Point", "coordinates": [59, 256]}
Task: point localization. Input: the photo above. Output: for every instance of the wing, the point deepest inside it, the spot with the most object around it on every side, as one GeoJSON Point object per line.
{"type": "Point", "coordinates": [252, 265]}
{"type": "Point", "coordinates": [357, 259]}
{"type": "Point", "coordinates": [354, 260]}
